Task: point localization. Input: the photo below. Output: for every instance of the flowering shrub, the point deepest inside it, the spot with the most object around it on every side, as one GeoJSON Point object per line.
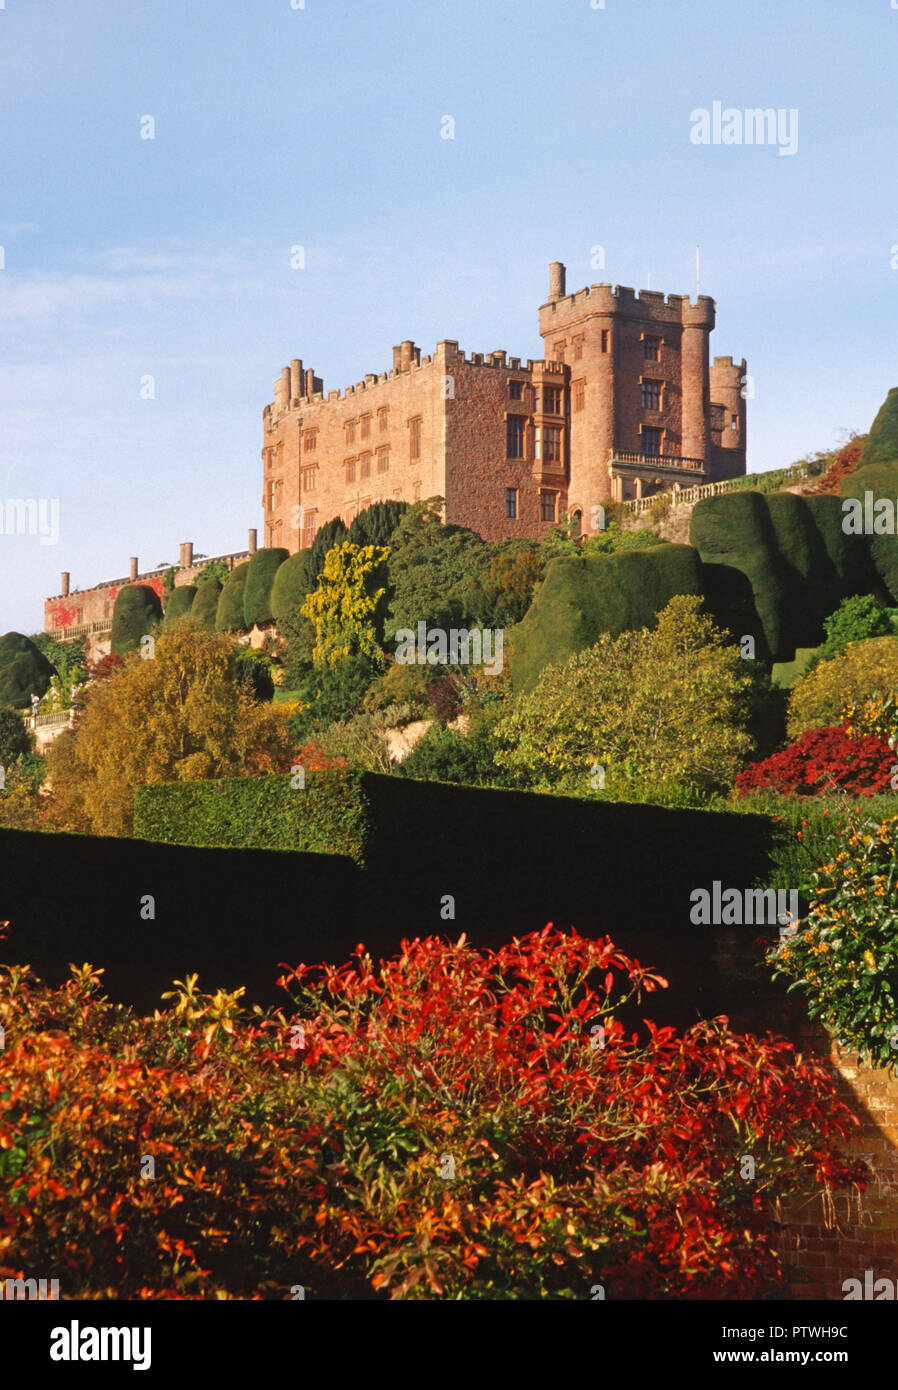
{"type": "Point", "coordinates": [453, 1124]}
{"type": "Point", "coordinates": [845, 953]}
{"type": "Point", "coordinates": [878, 714]}
{"type": "Point", "coordinates": [823, 760]}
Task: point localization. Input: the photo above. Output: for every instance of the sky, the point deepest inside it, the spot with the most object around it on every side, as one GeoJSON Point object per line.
{"type": "Point", "coordinates": [323, 126]}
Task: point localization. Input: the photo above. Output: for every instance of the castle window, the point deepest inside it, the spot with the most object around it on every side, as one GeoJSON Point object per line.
{"type": "Point", "coordinates": [383, 419]}
{"type": "Point", "coordinates": [606, 339]}
{"type": "Point", "coordinates": [551, 444]}
{"type": "Point", "coordinates": [365, 423]}
{"type": "Point", "coordinates": [651, 394]}
{"type": "Point", "coordinates": [350, 431]}
{"type": "Point", "coordinates": [309, 526]}
{"type": "Point", "coordinates": [269, 495]}
{"type": "Point", "coordinates": [551, 400]}
{"type": "Point", "coordinates": [350, 470]}
{"type": "Point", "coordinates": [414, 438]}
{"type": "Point", "coordinates": [310, 441]}
{"type": "Point", "coordinates": [511, 501]}
{"type": "Point", "coordinates": [651, 349]}
{"type": "Point", "coordinates": [547, 506]}
{"type": "Point", "coordinates": [514, 437]}
{"type": "Point", "coordinates": [365, 466]}
{"type": "Point", "coordinates": [515, 390]}
{"type": "Point", "coordinates": [734, 422]}
{"type": "Point", "coordinates": [577, 524]}
{"type": "Point", "coordinates": [383, 459]}
{"type": "Point", "coordinates": [558, 351]}
{"type": "Point", "coordinates": [651, 442]}
{"type": "Point", "coordinates": [577, 344]}
{"type": "Point", "coordinates": [309, 478]}
{"type": "Point", "coordinates": [578, 395]}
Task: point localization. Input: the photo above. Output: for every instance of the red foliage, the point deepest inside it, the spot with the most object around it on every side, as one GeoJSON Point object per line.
{"type": "Point", "coordinates": [822, 760]}
{"type": "Point", "coordinates": [104, 668]}
{"type": "Point", "coordinates": [845, 462]}
{"type": "Point", "coordinates": [62, 616]}
{"type": "Point", "coordinates": [313, 757]}
{"type": "Point", "coordinates": [444, 698]}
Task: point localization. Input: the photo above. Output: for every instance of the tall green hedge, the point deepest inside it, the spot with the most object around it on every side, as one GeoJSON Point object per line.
{"type": "Point", "coordinates": [24, 670]}
{"type": "Point", "coordinates": [329, 814]}
{"type": "Point", "coordinates": [180, 602]}
{"type": "Point", "coordinates": [294, 579]}
{"type": "Point", "coordinates": [881, 444]}
{"type": "Point", "coordinates": [229, 613]}
{"type": "Point", "coordinates": [263, 567]}
{"type": "Point", "coordinates": [793, 553]}
{"type": "Point", "coordinates": [205, 605]}
{"type": "Point", "coordinates": [583, 596]}
{"type": "Point", "coordinates": [136, 613]}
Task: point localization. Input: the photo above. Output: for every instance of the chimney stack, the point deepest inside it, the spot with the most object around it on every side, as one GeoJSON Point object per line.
{"type": "Point", "coordinates": [133, 568]}
{"type": "Point", "coordinates": [296, 379]}
{"type": "Point", "coordinates": [397, 358]}
{"type": "Point", "coordinates": [64, 578]}
{"type": "Point", "coordinates": [186, 559]}
{"type": "Point", "coordinates": [556, 281]}
{"type": "Point", "coordinates": [253, 540]}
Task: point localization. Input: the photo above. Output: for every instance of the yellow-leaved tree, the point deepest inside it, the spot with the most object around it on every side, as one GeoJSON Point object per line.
{"type": "Point", "coordinates": [347, 607]}
{"type": "Point", "coordinates": [174, 716]}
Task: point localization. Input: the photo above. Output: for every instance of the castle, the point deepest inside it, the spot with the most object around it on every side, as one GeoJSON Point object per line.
{"type": "Point", "coordinates": [625, 403]}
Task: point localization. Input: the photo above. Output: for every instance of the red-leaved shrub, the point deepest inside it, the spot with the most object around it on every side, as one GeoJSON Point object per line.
{"type": "Point", "coordinates": [453, 1124]}
{"type": "Point", "coordinates": [823, 760]}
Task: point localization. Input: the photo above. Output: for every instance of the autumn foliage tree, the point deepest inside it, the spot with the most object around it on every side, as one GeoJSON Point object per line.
{"type": "Point", "coordinates": [176, 716]}
{"type": "Point", "coordinates": [657, 708]}
{"type": "Point", "coordinates": [347, 606]}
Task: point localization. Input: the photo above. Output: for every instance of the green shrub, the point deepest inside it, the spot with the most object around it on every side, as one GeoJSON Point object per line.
{"type": "Point", "coordinates": [292, 582]}
{"type": "Point", "coordinates": [216, 569]}
{"type": "Point", "coordinates": [258, 586]}
{"type": "Point", "coordinates": [331, 693]}
{"type": "Point", "coordinates": [376, 524]}
{"type": "Point", "coordinates": [583, 597]}
{"type": "Point", "coordinates": [855, 620]}
{"type": "Point", "coordinates": [205, 604]}
{"type": "Point", "coordinates": [882, 441]}
{"type": "Point", "coordinates": [24, 671]}
{"type": "Point", "coordinates": [15, 740]}
{"type": "Point", "coordinates": [844, 955]}
{"type": "Point", "coordinates": [137, 613]}
{"type": "Point", "coordinates": [229, 612]}
{"type": "Point", "coordinates": [443, 755]}
{"type": "Point", "coordinates": [179, 603]}
{"type": "Point", "coordinates": [253, 670]}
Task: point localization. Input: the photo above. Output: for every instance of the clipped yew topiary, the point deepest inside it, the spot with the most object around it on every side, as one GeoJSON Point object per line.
{"type": "Point", "coordinates": [583, 596]}
{"type": "Point", "coordinates": [205, 605]}
{"type": "Point", "coordinates": [882, 441]}
{"type": "Point", "coordinates": [229, 612]}
{"type": "Point", "coordinates": [292, 583]}
{"type": "Point", "coordinates": [260, 575]}
{"type": "Point", "coordinates": [137, 613]}
{"type": "Point", "coordinates": [376, 524]}
{"type": "Point", "coordinates": [24, 670]}
{"type": "Point", "coordinates": [180, 602]}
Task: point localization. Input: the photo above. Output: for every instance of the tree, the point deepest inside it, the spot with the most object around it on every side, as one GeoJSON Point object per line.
{"type": "Point", "coordinates": [298, 633]}
{"type": "Point", "coordinates": [216, 569]}
{"type": "Point", "coordinates": [376, 524]}
{"type": "Point", "coordinates": [259, 581]}
{"type": "Point", "coordinates": [24, 671]}
{"type": "Point", "coordinates": [136, 613]}
{"type": "Point", "coordinates": [205, 605]}
{"type": "Point", "coordinates": [434, 572]}
{"type": "Point", "coordinates": [294, 579]}
{"type": "Point", "coordinates": [229, 613]}
{"type": "Point", "coordinates": [347, 606]}
{"type": "Point", "coordinates": [509, 578]}
{"type": "Point", "coordinates": [854, 620]}
{"type": "Point", "coordinates": [179, 603]}
{"type": "Point", "coordinates": [652, 710]}
{"type": "Point", "coordinates": [862, 670]}
{"type": "Point", "coordinates": [177, 716]}
{"type": "Point", "coordinates": [332, 533]}
{"type": "Point", "coordinates": [15, 740]}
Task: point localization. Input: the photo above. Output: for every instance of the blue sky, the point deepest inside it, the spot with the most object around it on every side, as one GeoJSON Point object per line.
{"type": "Point", "coordinates": [321, 127]}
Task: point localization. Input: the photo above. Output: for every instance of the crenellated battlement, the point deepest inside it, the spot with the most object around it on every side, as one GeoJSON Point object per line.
{"type": "Point", "coordinates": [602, 298]}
